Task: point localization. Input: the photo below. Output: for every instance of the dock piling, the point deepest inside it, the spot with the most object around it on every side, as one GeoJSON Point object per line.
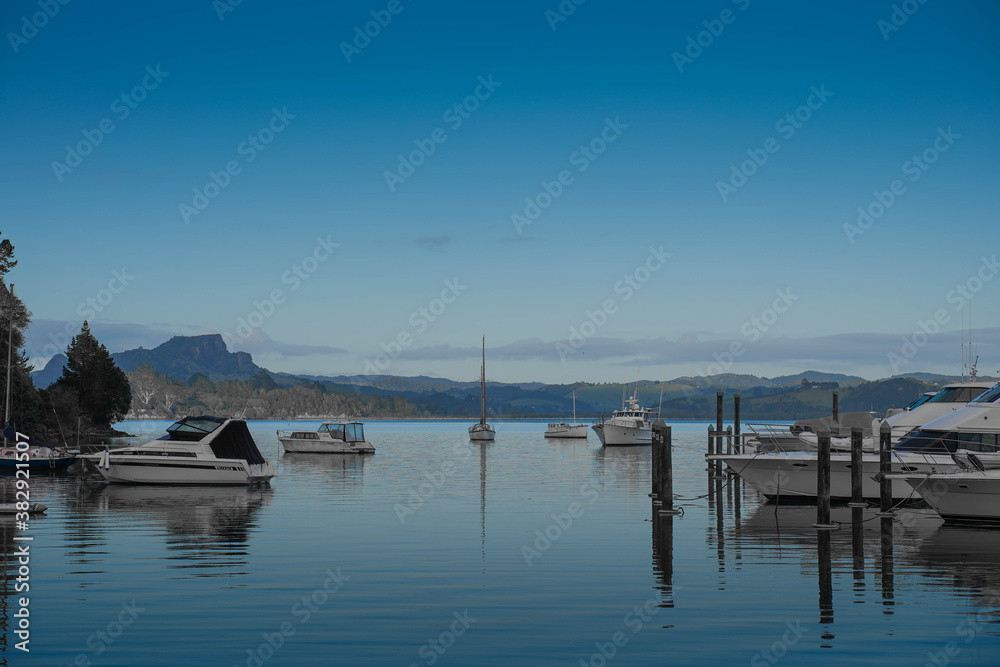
{"type": "Point", "coordinates": [663, 474]}
{"type": "Point", "coordinates": [736, 423]}
{"type": "Point", "coordinates": [885, 467]}
{"type": "Point", "coordinates": [857, 493]}
{"type": "Point", "coordinates": [823, 481]}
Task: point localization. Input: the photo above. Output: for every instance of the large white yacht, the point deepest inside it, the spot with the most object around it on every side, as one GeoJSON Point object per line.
{"type": "Point", "coordinates": [793, 472]}
{"type": "Point", "coordinates": [972, 437]}
{"type": "Point", "coordinates": [629, 426]}
{"type": "Point", "coordinates": [340, 437]}
{"type": "Point", "coordinates": [195, 450]}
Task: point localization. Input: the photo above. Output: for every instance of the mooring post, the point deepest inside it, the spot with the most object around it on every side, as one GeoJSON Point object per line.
{"type": "Point", "coordinates": [736, 423]}
{"type": "Point", "coordinates": [857, 493]}
{"type": "Point", "coordinates": [654, 491]}
{"type": "Point", "coordinates": [885, 467]}
{"type": "Point", "coordinates": [664, 435]}
{"type": "Point", "coordinates": [836, 412]}
{"type": "Point", "coordinates": [718, 431]}
{"type": "Point", "coordinates": [709, 463]}
{"type": "Point", "coordinates": [823, 480]}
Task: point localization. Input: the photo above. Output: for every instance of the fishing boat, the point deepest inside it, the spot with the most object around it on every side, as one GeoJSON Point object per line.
{"type": "Point", "coordinates": [195, 450]}
{"type": "Point", "coordinates": [629, 426]}
{"type": "Point", "coordinates": [339, 437]}
{"type": "Point", "coordinates": [564, 430]}
{"type": "Point", "coordinates": [482, 430]}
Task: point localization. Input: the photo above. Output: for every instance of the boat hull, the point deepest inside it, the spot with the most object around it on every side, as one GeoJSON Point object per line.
{"type": "Point", "coordinates": [482, 432]}
{"type": "Point", "coordinates": [795, 473]}
{"type": "Point", "coordinates": [566, 431]}
{"type": "Point", "coordinates": [615, 435]}
{"type": "Point", "coordinates": [57, 463]}
{"type": "Point", "coordinates": [154, 470]}
{"type": "Point", "coordinates": [961, 498]}
{"type": "Point", "coordinates": [327, 446]}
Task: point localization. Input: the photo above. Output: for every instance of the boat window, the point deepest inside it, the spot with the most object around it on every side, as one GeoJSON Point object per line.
{"type": "Point", "coordinates": [978, 442]}
{"type": "Point", "coordinates": [920, 401]}
{"type": "Point", "coordinates": [337, 431]}
{"type": "Point", "coordinates": [990, 395]}
{"type": "Point", "coordinates": [192, 428]}
{"type": "Point", "coordinates": [929, 442]}
{"type": "Point", "coordinates": [956, 395]}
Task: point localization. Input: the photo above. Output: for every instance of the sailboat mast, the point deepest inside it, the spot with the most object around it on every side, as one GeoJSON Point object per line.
{"type": "Point", "coordinates": [482, 387]}
{"type": "Point", "coordinates": [10, 357]}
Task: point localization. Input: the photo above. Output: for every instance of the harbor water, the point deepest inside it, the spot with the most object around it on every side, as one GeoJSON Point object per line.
{"type": "Point", "coordinates": [525, 551]}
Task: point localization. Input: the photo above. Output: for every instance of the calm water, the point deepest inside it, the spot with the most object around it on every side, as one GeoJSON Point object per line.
{"type": "Point", "coordinates": [419, 555]}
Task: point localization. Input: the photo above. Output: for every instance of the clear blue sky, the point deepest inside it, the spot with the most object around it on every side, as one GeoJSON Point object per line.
{"type": "Point", "coordinates": [201, 91]}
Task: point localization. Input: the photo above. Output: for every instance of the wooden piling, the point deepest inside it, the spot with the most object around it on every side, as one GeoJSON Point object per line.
{"type": "Point", "coordinates": [663, 440]}
{"type": "Point", "coordinates": [823, 481]}
{"type": "Point", "coordinates": [857, 493]}
{"type": "Point", "coordinates": [885, 467]}
{"type": "Point", "coordinates": [736, 423]}
{"type": "Point", "coordinates": [836, 411]}
{"type": "Point", "coordinates": [656, 482]}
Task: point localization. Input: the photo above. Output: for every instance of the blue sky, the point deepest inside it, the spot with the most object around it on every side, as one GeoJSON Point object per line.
{"type": "Point", "coordinates": [753, 273]}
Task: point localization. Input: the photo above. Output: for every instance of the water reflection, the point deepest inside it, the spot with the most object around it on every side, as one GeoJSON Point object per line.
{"type": "Point", "coordinates": [663, 556]}
{"type": "Point", "coordinates": [626, 468]}
{"type": "Point", "coordinates": [342, 473]}
{"type": "Point", "coordinates": [206, 529]}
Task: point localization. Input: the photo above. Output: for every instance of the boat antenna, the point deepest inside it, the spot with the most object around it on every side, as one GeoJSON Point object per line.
{"type": "Point", "coordinates": [10, 356]}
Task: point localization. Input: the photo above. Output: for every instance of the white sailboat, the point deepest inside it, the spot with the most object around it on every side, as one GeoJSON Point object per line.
{"type": "Point", "coordinates": [482, 430]}
{"type": "Point", "coordinates": [564, 430]}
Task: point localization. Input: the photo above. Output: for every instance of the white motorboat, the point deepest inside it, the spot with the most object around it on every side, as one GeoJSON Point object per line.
{"type": "Point", "coordinates": [195, 450]}
{"type": "Point", "coordinates": [482, 430]}
{"type": "Point", "coordinates": [564, 430]}
{"type": "Point", "coordinates": [629, 426]}
{"type": "Point", "coordinates": [339, 437]}
{"type": "Point", "coordinates": [793, 473]}
{"type": "Point", "coordinates": [962, 496]}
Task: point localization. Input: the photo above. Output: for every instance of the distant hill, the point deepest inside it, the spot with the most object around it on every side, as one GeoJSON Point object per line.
{"type": "Point", "coordinates": [817, 376]}
{"type": "Point", "coordinates": [183, 356]}
{"type": "Point", "coordinates": [51, 372]}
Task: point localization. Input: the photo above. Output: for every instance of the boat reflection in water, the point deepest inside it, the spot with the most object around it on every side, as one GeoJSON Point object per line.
{"type": "Point", "coordinates": [206, 530]}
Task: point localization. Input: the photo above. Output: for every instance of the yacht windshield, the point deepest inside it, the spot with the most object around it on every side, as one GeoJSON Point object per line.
{"type": "Point", "coordinates": [956, 395]}
{"type": "Point", "coordinates": [920, 401]}
{"type": "Point", "coordinates": [990, 396]}
{"type": "Point", "coordinates": [193, 428]}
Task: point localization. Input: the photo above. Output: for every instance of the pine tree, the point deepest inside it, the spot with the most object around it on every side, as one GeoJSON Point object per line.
{"type": "Point", "coordinates": [102, 389]}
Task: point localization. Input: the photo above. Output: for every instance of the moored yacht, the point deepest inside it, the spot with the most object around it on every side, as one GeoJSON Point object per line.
{"type": "Point", "coordinates": [564, 430]}
{"type": "Point", "coordinates": [195, 450]}
{"type": "Point", "coordinates": [793, 472]}
{"type": "Point", "coordinates": [340, 437]}
{"type": "Point", "coordinates": [629, 426]}
{"type": "Point", "coordinates": [482, 430]}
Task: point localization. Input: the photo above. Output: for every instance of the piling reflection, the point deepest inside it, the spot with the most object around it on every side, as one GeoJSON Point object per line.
{"type": "Point", "coordinates": [825, 575]}
{"type": "Point", "coordinates": [663, 556]}
{"type": "Point", "coordinates": [858, 549]}
{"type": "Point", "coordinates": [885, 568]}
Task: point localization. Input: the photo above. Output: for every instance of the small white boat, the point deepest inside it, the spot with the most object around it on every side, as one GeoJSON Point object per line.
{"type": "Point", "coordinates": [482, 430]}
{"type": "Point", "coordinates": [964, 496]}
{"type": "Point", "coordinates": [340, 437]}
{"type": "Point", "coordinates": [564, 430]}
{"type": "Point", "coordinates": [195, 450]}
{"type": "Point", "coordinates": [629, 426]}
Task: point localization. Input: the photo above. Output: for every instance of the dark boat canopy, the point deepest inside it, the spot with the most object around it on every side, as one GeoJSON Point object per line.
{"type": "Point", "coordinates": [235, 442]}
